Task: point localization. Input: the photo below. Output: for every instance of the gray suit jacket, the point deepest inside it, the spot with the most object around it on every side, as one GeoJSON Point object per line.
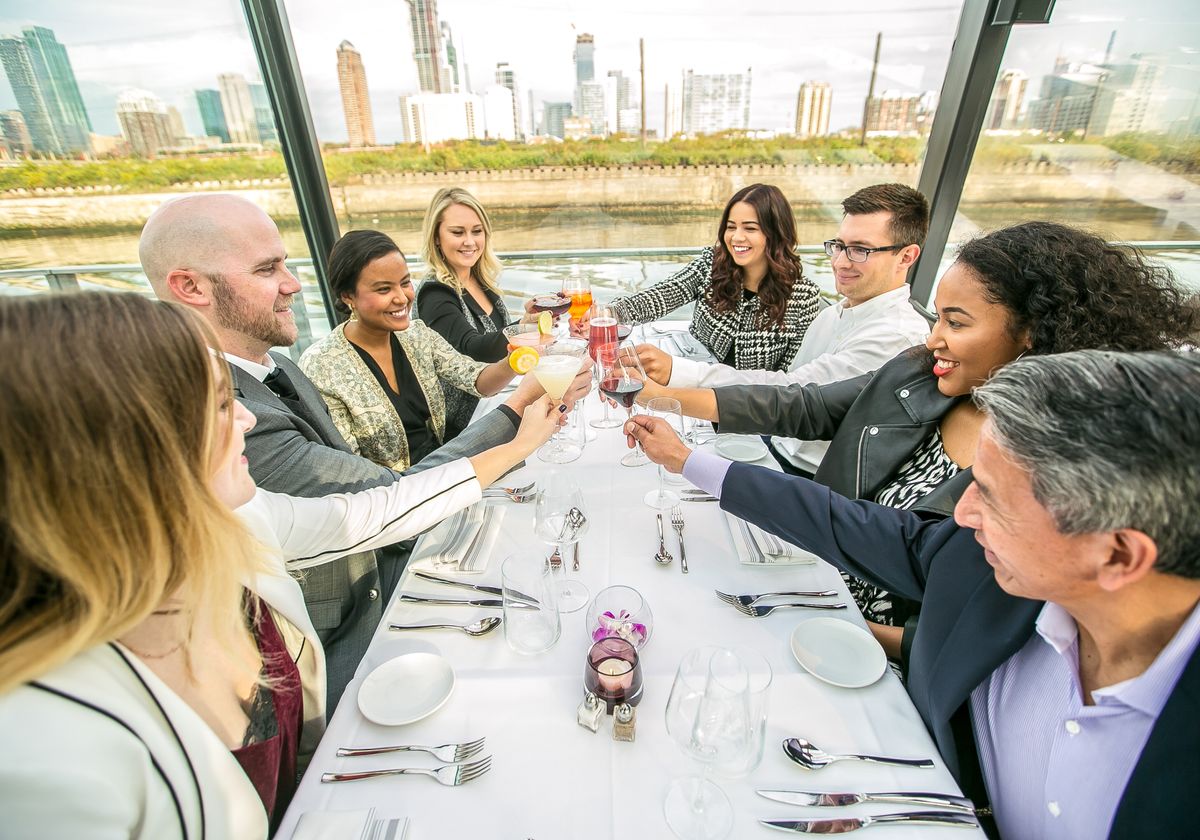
{"type": "Point", "coordinates": [301, 453]}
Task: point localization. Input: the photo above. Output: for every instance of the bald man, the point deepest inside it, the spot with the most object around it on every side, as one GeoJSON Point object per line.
{"type": "Point", "coordinates": [223, 258]}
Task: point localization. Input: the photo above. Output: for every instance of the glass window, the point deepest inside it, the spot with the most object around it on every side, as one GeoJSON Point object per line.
{"type": "Point", "coordinates": [1095, 121]}
{"type": "Point", "coordinates": [536, 108]}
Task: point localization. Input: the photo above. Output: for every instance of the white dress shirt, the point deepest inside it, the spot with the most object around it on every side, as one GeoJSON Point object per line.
{"type": "Point", "coordinates": [257, 370]}
{"type": "Point", "coordinates": [841, 343]}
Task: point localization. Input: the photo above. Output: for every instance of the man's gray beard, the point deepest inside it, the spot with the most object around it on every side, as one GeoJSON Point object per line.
{"type": "Point", "coordinates": [232, 314]}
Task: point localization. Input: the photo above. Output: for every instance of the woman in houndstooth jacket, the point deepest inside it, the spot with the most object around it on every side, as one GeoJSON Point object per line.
{"type": "Point", "coordinates": [753, 302]}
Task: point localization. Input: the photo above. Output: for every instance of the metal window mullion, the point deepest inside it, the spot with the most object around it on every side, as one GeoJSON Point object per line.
{"type": "Point", "coordinates": [272, 39]}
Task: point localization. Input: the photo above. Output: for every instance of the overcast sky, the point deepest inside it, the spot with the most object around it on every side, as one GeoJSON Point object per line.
{"type": "Point", "coordinates": [172, 49]}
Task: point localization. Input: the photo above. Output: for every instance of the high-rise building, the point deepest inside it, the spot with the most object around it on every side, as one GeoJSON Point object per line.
{"type": "Point", "coordinates": [212, 115]}
{"type": "Point", "coordinates": [499, 106]}
{"type": "Point", "coordinates": [433, 70]}
{"type": "Point", "coordinates": [238, 107]}
{"type": "Point", "coordinates": [591, 107]}
{"type": "Point", "coordinates": [179, 134]}
{"type": "Point", "coordinates": [436, 117]}
{"type": "Point", "coordinates": [1126, 98]}
{"type": "Point", "coordinates": [1007, 106]}
{"type": "Point", "coordinates": [144, 122]}
{"type": "Point", "coordinates": [585, 61]}
{"type": "Point", "coordinates": [622, 112]}
{"type": "Point", "coordinates": [812, 109]}
{"type": "Point", "coordinates": [713, 103]}
{"type": "Point", "coordinates": [451, 81]}
{"type": "Point", "coordinates": [18, 66]}
{"type": "Point", "coordinates": [356, 102]}
{"type": "Point", "coordinates": [1067, 97]}
{"type": "Point", "coordinates": [264, 117]}
{"type": "Point", "coordinates": [553, 114]}
{"type": "Point", "coordinates": [16, 133]}
{"type": "Point", "coordinates": [507, 77]}
{"type": "Point", "coordinates": [59, 89]}
{"type": "Point", "coordinates": [893, 114]}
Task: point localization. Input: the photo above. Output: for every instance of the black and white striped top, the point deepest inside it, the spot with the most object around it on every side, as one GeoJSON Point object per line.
{"type": "Point", "coordinates": [725, 333]}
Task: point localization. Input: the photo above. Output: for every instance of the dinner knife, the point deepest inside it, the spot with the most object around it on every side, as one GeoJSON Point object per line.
{"type": "Point", "coordinates": [798, 797]}
{"type": "Point", "coordinates": [495, 591]}
{"type": "Point", "coordinates": [700, 499]}
{"type": "Point", "coordinates": [421, 599]}
{"type": "Point", "coordinates": [843, 825]}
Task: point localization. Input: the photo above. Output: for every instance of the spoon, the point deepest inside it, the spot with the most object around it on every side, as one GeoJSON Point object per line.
{"type": "Point", "coordinates": [813, 757]}
{"type": "Point", "coordinates": [475, 628]}
{"type": "Point", "coordinates": [663, 558]}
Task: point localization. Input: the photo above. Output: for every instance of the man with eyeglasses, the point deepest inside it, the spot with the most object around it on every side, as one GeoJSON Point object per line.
{"type": "Point", "coordinates": [878, 241]}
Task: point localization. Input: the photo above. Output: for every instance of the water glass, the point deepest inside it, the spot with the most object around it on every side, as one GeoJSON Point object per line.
{"type": "Point", "coordinates": [669, 410]}
{"type": "Point", "coordinates": [529, 627]}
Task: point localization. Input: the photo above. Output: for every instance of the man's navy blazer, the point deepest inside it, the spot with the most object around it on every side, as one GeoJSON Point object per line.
{"type": "Point", "coordinates": [968, 627]}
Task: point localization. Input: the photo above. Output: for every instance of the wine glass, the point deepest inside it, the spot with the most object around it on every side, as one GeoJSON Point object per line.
{"type": "Point", "coordinates": [603, 327]}
{"type": "Point", "coordinates": [559, 520]}
{"type": "Point", "coordinates": [669, 410]}
{"type": "Point", "coordinates": [708, 718]}
{"type": "Point", "coordinates": [578, 288]}
{"type": "Point", "coordinates": [556, 369]}
{"type": "Point", "coordinates": [622, 379]}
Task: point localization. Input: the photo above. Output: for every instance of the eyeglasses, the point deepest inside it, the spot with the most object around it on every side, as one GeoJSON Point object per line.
{"type": "Point", "coordinates": [855, 253]}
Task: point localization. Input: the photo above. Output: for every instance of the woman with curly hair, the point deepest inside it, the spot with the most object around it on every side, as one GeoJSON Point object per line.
{"type": "Point", "coordinates": [753, 302]}
{"type": "Point", "coordinates": [905, 435]}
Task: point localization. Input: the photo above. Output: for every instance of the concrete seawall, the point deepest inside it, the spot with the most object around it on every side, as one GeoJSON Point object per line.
{"type": "Point", "coordinates": [699, 187]}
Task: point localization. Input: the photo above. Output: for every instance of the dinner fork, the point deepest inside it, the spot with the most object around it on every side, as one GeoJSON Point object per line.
{"type": "Point", "coordinates": [512, 496]}
{"type": "Point", "coordinates": [759, 612]}
{"type": "Point", "coordinates": [446, 752]}
{"type": "Point", "coordinates": [450, 774]}
{"type": "Point", "coordinates": [749, 600]}
{"type": "Point", "coordinates": [677, 524]}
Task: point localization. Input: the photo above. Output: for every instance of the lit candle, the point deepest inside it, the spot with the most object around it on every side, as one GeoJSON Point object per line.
{"type": "Point", "coordinates": [615, 675]}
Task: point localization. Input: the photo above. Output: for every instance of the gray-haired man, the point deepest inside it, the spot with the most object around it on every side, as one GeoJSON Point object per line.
{"type": "Point", "coordinates": [1055, 661]}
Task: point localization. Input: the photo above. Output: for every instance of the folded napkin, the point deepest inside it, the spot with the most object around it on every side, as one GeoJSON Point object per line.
{"type": "Point", "coordinates": [752, 544]}
{"type": "Point", "coordinates": [349, 825]}
{"type": "Point", "coordinates": [462, 542]}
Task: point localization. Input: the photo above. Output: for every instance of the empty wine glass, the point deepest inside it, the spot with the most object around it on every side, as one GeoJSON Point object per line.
{"type": "Point", "coordinates": [708, 718]}
{"type": "Point", "coordinates": [559, 520]}
{"type": "Point", "coordinates": [667, 409]}
{"type": "Point", "coordinates": [622, 379]}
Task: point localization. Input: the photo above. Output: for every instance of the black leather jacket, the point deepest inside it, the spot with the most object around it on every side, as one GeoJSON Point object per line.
{"type": "Point", "coordinates": [874, 423]}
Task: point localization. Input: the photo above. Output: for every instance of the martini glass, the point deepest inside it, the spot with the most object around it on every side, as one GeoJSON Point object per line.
{"type": "Point", "coordinates": [556, 369]}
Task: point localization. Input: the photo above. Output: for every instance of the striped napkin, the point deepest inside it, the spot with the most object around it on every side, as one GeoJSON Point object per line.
{"type": "Point", "coordinates": [349, 825]}
{"type": "Point", "coordinates": [755, 547]}
{"type": "Point", "coordinates": [462, 542]}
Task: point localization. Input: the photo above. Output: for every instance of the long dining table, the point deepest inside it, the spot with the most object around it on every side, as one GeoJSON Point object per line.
{"type": "Point", "coordinates": [551, 777]}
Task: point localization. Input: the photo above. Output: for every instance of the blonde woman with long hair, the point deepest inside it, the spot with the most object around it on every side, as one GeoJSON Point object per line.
{"type": "Point", "coordinates": [460, 296]}
{"type": "Point", "coordinates": [159, 675]}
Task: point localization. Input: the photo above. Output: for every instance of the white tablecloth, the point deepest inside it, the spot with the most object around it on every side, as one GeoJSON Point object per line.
{"type": "Point", "coordinates": [550, 777]}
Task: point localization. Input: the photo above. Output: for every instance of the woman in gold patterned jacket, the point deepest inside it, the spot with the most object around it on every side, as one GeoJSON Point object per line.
{"type": "Point", "coordinates": [380, 373]}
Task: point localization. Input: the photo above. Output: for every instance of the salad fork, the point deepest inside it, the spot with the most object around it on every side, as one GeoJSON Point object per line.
{"type": "Point", "coordinates": [750, 600]}
{"type": "Point", "coordinates": [446, 752]}
{"type": "Point", "coordinates": [449, 774]}
{"type": "Point", "coordinates": [759, 612]}
{"type": "Point", "coordinates": [677, 524]}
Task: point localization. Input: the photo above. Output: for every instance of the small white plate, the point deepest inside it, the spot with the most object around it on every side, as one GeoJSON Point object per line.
{"type": "Point", "coordinates": [741, 447]}
{"type": "Point", "coordinates": [406, 689]}
{"type": "Point", "coordinates": [838, 652]}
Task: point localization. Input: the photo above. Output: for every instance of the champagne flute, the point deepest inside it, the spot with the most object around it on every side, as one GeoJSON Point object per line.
{"type": "Point", "coordinates": [559, 520]}
{"type": "Point", "coordinates": [708, 719]}
{"type": "Point", "coordinates": [556, 369]}
{"type": "Point", "coordinates": [622, 379]}
{"type": "Point", "coordinates": [603, 338]}
{"type": "Point", "coordinates": [669, 410]}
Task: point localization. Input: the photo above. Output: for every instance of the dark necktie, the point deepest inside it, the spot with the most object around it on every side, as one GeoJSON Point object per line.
{"type": "Point", "coordinates": [279, 382]}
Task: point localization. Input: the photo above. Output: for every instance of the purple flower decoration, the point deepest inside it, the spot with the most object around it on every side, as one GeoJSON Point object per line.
{"type": "Point", "coordinates": [621, 625]}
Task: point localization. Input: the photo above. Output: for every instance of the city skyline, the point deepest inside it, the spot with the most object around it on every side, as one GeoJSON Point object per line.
{"type": "Point", "coordinates": [914, 49]}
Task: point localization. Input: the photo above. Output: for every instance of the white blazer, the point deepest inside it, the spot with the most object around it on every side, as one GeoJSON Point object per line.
{"type": "Point", "coordinates": [101, 748]}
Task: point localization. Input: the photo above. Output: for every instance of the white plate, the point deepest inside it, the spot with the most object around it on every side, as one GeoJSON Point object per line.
{"type": "Point", "coordinates": [838, 652]}
{"type": "Point", "coordinates": [406, 689]}
{"type": "Point", "coordinates": [741, 447]}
